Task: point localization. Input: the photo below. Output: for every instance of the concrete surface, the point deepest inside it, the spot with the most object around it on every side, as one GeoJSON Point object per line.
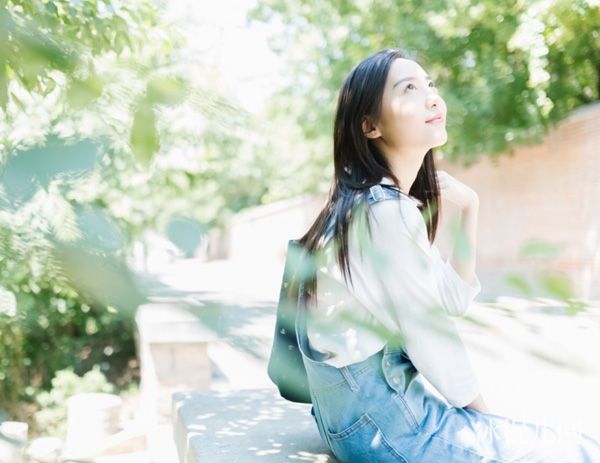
{"type": "Point", "coordinates": [245, 426]}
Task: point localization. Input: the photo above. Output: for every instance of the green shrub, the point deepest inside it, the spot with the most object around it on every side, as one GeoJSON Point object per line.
{"type": "Point", "coordinates": [52, 414]}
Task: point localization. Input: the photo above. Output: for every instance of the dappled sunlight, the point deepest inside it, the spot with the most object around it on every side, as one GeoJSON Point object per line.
{"type": "Point", "coordinates": [541, 329]}
{"type": "Point", "coordinates": [307, 456]}
{"type": "Point", "coordinates": [248, 422]}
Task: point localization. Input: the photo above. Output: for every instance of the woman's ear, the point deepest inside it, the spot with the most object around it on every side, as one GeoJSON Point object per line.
{"type": "Point", "coordinates": [369, 129]}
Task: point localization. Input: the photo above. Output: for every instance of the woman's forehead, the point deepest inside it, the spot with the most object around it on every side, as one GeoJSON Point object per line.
{"type": "Point", "coordinates": [404, 67]}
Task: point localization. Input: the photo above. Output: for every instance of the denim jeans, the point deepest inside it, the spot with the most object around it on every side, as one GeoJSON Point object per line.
{"type": "Point", "coordinates": [380, 410]}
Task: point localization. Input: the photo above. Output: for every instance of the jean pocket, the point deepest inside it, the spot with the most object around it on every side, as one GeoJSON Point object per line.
{"type": "Point", "coordinates": [363, 441]}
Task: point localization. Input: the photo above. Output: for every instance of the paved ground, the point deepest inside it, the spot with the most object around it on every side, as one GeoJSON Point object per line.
{"type": "Point", "coordinates": [536, 365]}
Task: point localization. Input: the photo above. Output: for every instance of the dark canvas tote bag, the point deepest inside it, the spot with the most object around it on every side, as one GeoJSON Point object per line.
{"type": "Point", "coordinates": [286, 368]}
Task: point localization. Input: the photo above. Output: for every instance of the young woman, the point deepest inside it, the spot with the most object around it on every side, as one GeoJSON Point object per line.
{"type": "Point", "coordinates": [378, 332]}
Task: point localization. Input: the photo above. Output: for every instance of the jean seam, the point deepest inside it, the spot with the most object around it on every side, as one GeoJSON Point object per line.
{"type": "Point", "coordinates": [342, 381]}
{"type": "Point", "coordinates": [494, 460]}
{"type": "Point", "coordinates": [417, 427]}
{"type": "Point", "coordinates": [385, 441]}
{"type": "Point", "coordinates": [347, 374]}
{"type": "Point", "coordinates": [323, 424]}
{"type": "Point", "coordinates": [362, 422]}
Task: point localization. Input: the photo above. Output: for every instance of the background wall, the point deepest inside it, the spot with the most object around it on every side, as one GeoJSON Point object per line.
{"type": "Point", "coordinates": [548, 192]}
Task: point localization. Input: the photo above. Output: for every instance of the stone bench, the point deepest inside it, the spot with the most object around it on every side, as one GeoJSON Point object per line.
{"type": "Point", "coordinates": [252, 425]}
{"type": "Point", "coordinates": [172, 344]}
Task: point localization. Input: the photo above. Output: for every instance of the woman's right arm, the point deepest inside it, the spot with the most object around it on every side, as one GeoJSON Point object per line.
{"type": "Point", "coordinates": [418, 298]}
{"type": "Point", "coordinates": [464, 266]}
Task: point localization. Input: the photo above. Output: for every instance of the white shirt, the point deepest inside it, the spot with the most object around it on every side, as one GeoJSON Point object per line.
{"type": "Point", "coordinates": [401, 287]}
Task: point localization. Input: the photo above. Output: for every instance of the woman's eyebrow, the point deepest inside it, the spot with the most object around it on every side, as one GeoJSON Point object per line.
{"type": "Point", "coordinates": [427, 77]}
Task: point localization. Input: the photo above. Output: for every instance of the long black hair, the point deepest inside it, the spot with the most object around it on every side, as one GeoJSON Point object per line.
{"type": "Point", "coordinates": [359, 164]}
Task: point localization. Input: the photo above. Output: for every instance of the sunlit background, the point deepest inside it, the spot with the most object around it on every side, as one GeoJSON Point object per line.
{"type": "Point", "coordinates": [156, 157]}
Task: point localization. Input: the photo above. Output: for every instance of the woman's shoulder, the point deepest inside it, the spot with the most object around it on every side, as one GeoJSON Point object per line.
{"type": "Point", "coordinates": [393, 205]}
{"type": "Point", "coordinates": [387, 189]}
{"type": "Point", "coordinates": [394, 215]}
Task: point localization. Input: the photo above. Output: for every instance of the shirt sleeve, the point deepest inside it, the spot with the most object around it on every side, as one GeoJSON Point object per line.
{"type": "Point", "coordinates": [456, 293]}
{"type": "Point", "coordinates": [420, 291]}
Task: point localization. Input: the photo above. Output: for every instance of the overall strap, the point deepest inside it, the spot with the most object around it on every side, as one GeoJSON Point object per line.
{"type": "Point", "coordinates": [382, 192]}
{"type": "Point", "coordinates": [375, 194]}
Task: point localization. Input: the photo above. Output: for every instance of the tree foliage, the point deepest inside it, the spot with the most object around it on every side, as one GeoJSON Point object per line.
{"type": "Point", "coordinates": [507, 70]}
{"type": "Point", "coordinates": [106, 129]}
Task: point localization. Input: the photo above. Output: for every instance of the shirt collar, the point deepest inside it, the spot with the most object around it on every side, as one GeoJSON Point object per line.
{"type": "Point", "coordinates": [388, 181]}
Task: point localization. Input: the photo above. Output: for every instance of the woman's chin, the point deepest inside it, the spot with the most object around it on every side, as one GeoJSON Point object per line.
{"type": "Point", "coordinates": [440, 140]}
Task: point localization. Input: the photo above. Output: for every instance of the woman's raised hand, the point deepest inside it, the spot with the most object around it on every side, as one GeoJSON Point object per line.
{"type": "Point", "coordinates": [455, 191]}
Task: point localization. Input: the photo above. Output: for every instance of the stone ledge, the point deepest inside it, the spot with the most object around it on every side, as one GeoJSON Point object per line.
{"type": "Point", "coordinates": [242, 426]}
{"type": "Point", "coordinates": [169, 322]}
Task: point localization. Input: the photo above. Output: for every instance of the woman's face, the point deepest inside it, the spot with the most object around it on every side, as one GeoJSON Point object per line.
{"type": "Point", "coordinates": [410, 99]}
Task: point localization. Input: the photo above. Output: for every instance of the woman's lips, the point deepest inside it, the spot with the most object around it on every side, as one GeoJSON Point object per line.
{"type": "Point", "coordinates": [436, 119]}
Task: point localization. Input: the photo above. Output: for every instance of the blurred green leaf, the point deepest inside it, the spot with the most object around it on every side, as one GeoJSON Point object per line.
{"type": "Point", "coordinates": [461, 245]}
{"type": "Point", "coordinates": [3, 87]}
{"type": "Point", "coordinates": [165, 90]}
{"type": "Point", "coordinates": [83, 92]}
{"type": "Point", "coordinates": [518, 282]}
{"type": "Point", "coordinates": [558, 285]}
{"type": "Point", "coordinates": [18, 102]}
{"type": "Point", "coordinates": [144, 137]}
{"type": "Point", "coordinates": [185, 233]}
{"type": "Point", "coordinates": [540, 249]}
{"type": "Point", "coordinates": [28, 170]}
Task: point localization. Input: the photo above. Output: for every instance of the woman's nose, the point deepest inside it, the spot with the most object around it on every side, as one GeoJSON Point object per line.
{"type": "Point", "coordinates": [434, 100]}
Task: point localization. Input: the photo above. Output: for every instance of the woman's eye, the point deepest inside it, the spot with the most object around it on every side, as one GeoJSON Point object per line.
{"type": "Point", "coordinates": [431, 84]}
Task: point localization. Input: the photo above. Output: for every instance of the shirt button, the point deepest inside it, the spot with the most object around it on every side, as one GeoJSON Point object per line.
{"type": "Point", "coordinates": [387, 363]}
{"type": "Point", "coordinates": [395, 380]}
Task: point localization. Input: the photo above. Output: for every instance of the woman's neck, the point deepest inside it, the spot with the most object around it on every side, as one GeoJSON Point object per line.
{"type": "Point", "coordinates": [405, 166]}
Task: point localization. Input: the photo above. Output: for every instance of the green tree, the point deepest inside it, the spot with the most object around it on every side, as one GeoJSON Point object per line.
{"type": "Point", "coordinates": [91, 96]}
{"type": "Point", "coordinates": [107, 128]}
{"type": "Point", "coordinates": [508, 70]}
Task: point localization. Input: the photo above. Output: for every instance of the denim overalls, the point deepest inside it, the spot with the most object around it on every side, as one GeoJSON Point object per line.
{"type": "Point", "coordinates": [380, 410]}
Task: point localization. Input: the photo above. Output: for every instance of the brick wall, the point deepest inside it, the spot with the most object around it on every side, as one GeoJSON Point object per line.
{"type": "Point", "coordinates": [547, 192]}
